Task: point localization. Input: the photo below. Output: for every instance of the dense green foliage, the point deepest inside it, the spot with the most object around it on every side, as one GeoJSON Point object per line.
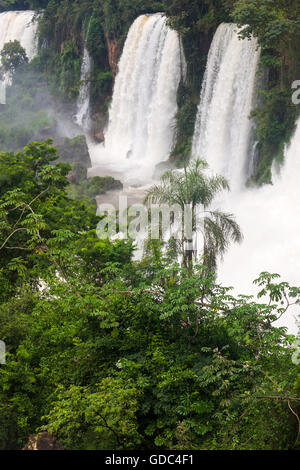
{"type": "Point", "coordinates": [109, 353]}
{"type": "Point", "coordinates": [276, 25]}
{"type": "Point", "coordinates": [103, 351]}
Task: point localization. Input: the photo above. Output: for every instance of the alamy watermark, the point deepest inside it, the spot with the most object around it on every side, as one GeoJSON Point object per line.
{"type": "Point", "coordinates": [296, 94]}
{"type": "Point", "coordinates": [2, 352]}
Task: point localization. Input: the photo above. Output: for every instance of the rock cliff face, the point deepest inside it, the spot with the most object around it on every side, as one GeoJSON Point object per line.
{"type": "Point", "coordinates": [74, 150]}
{"type": "Point", "coordinates": [113, 54]}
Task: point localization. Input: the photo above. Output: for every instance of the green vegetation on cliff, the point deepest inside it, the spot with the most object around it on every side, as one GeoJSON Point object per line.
{"type": "Point", "coordinates": [31, 113]}
{"type": "Point", "coordinates": [64, 28]}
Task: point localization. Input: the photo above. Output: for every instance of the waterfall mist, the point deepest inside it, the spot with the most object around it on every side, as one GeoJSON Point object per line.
{"type": "Point", "coordinates": [269, 219]}
{"type": "Point", "coordinates": [224, 137]}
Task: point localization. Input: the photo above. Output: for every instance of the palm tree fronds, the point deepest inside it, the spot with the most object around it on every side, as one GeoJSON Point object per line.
{"type": "Point", "coordinates": [192, 186]}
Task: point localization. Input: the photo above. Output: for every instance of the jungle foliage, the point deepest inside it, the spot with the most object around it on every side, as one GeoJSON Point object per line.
{"type": "Point", "coordinates": [106, 353]}
{"type": "Point", "coordinates": [65, 26]}
{"type": "Point", "coordinates": [13, 55]}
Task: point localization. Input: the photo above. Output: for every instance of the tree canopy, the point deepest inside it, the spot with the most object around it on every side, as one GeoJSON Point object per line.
{"type": "Point", "coordinates": [13, 55]}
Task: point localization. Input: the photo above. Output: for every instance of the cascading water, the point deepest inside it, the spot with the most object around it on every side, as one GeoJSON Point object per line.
{"type": "Point", "coordinates": [141, 127]}
{"type": "Point", "coordinates": [268, 216]}
{"type": "Point", "coordinates": [82, 117]}
{"type": "Point", "coordinates": [223, 128]}
{"type": "Point", "coordinates": [18, 25]}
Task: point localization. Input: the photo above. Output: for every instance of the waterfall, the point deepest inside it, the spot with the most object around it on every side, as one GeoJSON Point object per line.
{"type": "Point", "coordinates": [270, 222]}
{"type": "Point", "coordinates": [268, 216]}
{"type": "Point", "coordinates": [223, 128]}
{"type": "Point", "coordinates": [18, 25]}
{"type": "Point", "coordinates": [82, 117]}
{"type": "Point", "coordinates": [141, 129]}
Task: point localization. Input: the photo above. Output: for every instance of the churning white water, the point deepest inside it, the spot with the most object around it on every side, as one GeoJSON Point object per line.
{"type": "Point", "coordinates": [82, 117]}
{"type": "Point", "coordinates": [268, 216]}
{"type": "Point", "coordinates": [18, 25]}
{"type": "Point", "coordinates": [223, 129]}
{"type": "Point", "coordinates": [141, 128]}
{"type": "Point", "coordinates": [269, 219]}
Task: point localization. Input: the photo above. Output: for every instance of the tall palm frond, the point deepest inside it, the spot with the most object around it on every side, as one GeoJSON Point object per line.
{"type": "Point", "coordinates": [193, 186]}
